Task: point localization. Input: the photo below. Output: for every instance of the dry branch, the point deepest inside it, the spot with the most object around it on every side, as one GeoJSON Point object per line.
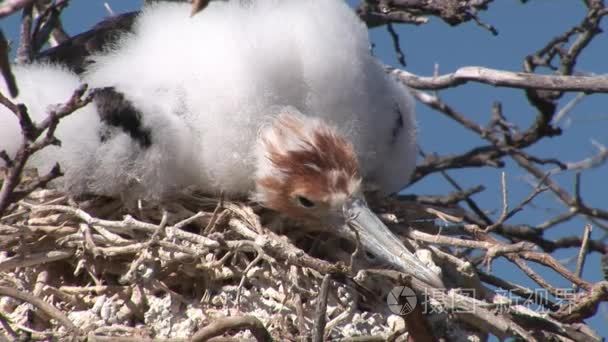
{"type": "Point", "coordinates": [9, 7]}
{"type": "Point", "coordinates": [225, 324]}
{"type": "Point", "coordinates": [502, 78]}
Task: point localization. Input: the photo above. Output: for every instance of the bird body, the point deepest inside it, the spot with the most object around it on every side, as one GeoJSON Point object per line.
{"type": "Point", "coordinates": [239, 65]}
{"type": "Point", "coordinates": [279, 100]}
{"type": "Point", "coordinates": [204, 87]}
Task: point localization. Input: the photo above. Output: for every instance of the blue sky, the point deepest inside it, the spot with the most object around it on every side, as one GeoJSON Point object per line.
{"type": "Point", "coordinates": [523, 28]}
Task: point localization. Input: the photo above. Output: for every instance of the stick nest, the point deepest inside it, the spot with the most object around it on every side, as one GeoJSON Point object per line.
{"type": "Point", "coordinates": [198, 267]}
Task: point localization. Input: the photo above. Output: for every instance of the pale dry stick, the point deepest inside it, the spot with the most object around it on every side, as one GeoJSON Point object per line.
{"type": "Point", "coordinates": [181, 224]}
{"type": "Point", "coordinates": [95, 289]}
{"type": "Point", "coordinates": [500, 249]}
{"type": "Point", "coordinates": [541, 258]}
{"type": "Point", "coordinates": [321, 311]}
{"type": "Point", "coordinates": [534, 276]}
{"type": "Point", "coordinates": [145, 253]}
{"type": "Point", "coordinates": [582, 253]}
{"type": "Point", "coordinates": [109, 9]}
{"type": "Point", "coordinates": [568, 108]}
{"type": "Point", "coordinates": [495, 249]}
{"type": "Point", "coordinates": [572, 202]}
{"type": "Point", "coordinates": [345, 315]}
{"type": "Point", "coordinates": [193, 251]}
{"type": "Point", "coordinates": [127, 223]}
{"type": "Point", "coordinates": [9, 7]}
{"type": "Point", "coordinates": [561, 218]}
{"type": "Point", "coordinates": [14, 215]}
{"type": "Point", "coordinates": [255, 261]}
{"type": "Point", "coordinates": [88, 240]}
{"type": "Point", "coordinates": [225, 324]}
{"type": "Point", "coordinates": [538, 189]}
{"type": "Point", "coordinates": [596, 160]}
{"type": "Point", "coordinates": [505, 204]}
{"type": "Point", "coordinates": [35, 259]}
{"type": "Point", "coordinates": [503, 78]}
{"type": "Point", "coordinates": [39, 335]}
{"type": "Point", "coordinates": [109, 251]}
{"type": "Point", "coordinates": [45, 307]}
{"type": "Point", "coordinates": [4, 322]}
{"type": "Point", "coordinates": [92, 337]}
{"type": "Point", "coordinates": [301, 318]}
{"type": "Point", "coordinates": [111, 237]}
{"type": "Point", "coordinates": [25, 51]}
{"type": "Point", "coordinates": [218, 206]}
{"type": "Point", "coordinates": [214, 217]}
{"type": "Point", "coordinates": [280, 248]}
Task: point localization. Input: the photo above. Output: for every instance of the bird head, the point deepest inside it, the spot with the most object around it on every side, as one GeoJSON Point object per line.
{"type": "Point", "coordinates": [308, 171]}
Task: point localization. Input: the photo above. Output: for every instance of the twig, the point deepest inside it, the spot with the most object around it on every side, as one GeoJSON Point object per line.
{"type": "Point", "coordinates": [9, 7]}
{"type": "Point", "coordinates": [5, 67]}
{"type": "Point", "coordinates": [25, 52]}
{"type": "Point", "coordinates": [319, 325]}
{"type": "Point", "coordinates": [396, 44]}
{"type": "Point", "coordinates": [46, 23]}
{"type": "Point", "coordinates": [42, 305]}
{"type": "Point", "coordinates": [505, 204]}
{"type": "Point", "coordinates": [224, 324]}
{"type": "Point", "coordinates": [582, 253]}
{"type": "Point", "coordinates": [445, 200]}
{"type": "Point", "coordinates": [34, 259]}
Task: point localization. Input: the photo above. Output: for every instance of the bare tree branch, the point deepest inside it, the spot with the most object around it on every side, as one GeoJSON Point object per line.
{"type": "Point", "coordinates": [502, 78]}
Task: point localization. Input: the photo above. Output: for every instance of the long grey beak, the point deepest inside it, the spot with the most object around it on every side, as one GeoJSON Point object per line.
{"type": "Point", "coordinates": [376, 238]}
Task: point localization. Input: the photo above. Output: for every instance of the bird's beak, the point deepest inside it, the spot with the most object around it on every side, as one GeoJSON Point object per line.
{"type": "Point", "coordinates": [376, 238]}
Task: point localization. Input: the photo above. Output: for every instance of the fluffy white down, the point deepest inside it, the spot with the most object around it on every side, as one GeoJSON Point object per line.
{"type": "Point", "coordinates": [43, 87]}
{"type": "Point", "coordinates": [207, 84]}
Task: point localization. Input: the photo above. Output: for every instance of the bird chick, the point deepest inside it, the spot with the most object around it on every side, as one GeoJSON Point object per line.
{"type": "Point", "coordinates": [226, 101]}
{"type": "Point", "coordinates": [305, 169]}
{"type": "Point", "coordinates": [203, 98]}
{"type": "Point", "coordinates": [309, 171]}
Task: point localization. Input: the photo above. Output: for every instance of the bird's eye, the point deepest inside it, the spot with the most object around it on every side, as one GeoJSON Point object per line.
{"type": "Point", "coordinates": [305, 202]}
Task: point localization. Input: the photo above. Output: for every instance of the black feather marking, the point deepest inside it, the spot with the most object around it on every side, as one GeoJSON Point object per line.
{"type": "Point", "coordinates": [398, 125]}
{"type": "Point", "coordinates": [116, 111]}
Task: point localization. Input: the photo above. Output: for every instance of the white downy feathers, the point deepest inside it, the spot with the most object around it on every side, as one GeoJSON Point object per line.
{"type": "Point", "coordinates": [206, 85]}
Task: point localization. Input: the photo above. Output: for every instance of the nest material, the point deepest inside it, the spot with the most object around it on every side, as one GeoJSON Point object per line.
{"type": "Point", "coordinates": [161, 272]}
{"type": "Point", "coordinates": [95, 269]}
